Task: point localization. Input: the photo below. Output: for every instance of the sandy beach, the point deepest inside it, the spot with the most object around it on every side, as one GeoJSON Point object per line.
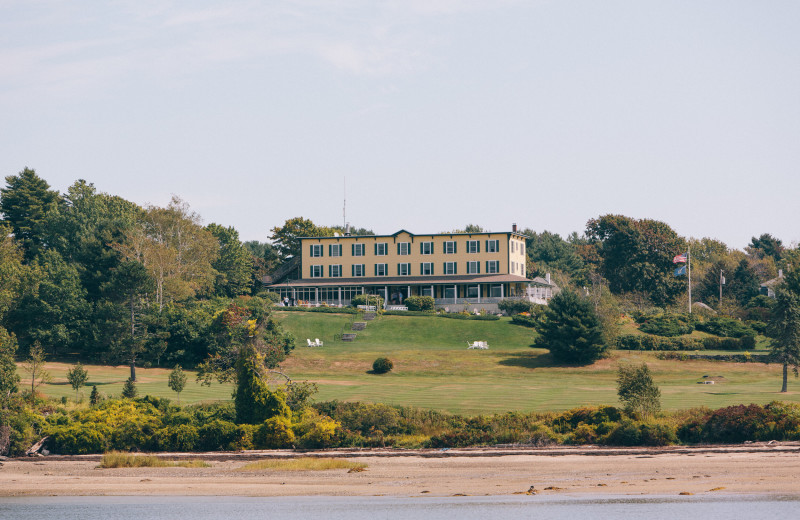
{"type": "Point", "coordinates": [750, 469]}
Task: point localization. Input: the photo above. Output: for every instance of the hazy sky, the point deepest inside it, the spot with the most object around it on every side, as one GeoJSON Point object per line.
{"type": "Point", "coordinates": [438, 112]}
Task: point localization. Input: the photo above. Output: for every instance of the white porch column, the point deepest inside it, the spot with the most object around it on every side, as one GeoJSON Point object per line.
{"type": "Point", "coordinates": [455, 294]}
{"type": "Point", "coordinates": [385, 296]}
{"type": "Point", "coordinates": [340, 296]}
{"type": "Point", "coordinates": [501, 290]}
{"type": "Point", "coordinates": [479, 293]}
{"type": "Point", "coordinates": [316, 295]}
{"type": "Point", "coordinates": [432, 291]}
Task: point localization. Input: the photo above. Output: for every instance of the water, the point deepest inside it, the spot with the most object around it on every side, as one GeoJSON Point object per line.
{"type": "Point", "coordinates": [380, 508]}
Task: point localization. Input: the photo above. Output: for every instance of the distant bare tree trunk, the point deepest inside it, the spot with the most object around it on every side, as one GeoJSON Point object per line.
{"type": "Point", "coordinates": [785, 387]}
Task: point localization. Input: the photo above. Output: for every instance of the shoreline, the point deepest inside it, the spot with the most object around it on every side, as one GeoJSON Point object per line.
{"type": "Point", "coordinates": [749, 469]}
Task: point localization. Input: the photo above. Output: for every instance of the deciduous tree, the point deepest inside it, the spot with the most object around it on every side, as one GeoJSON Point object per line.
{"type": "Point", "coordinates": [637, 390]}
{"type": "Point", "coordinates": [77, 377]}
{"type": "Point", "coordinates": [34, 365]}
{"type": "Point", "coordinates": [287, 237]}
{"type": "Point", "coordinates": [234, 263]}
{"type": "Point", "coordinates": [177, 381]}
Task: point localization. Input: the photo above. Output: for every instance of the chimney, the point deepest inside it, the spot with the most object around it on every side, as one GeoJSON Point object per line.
{"type": "Point", "coordinates": [514, 227]}
{"type": "Point", "coordinates": [347, 229]}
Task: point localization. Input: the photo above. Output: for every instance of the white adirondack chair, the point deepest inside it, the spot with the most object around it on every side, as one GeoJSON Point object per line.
{"type": "Point", "coordinates": [310, 344]}
{"type": "Point", "coordinates": [318, 343]}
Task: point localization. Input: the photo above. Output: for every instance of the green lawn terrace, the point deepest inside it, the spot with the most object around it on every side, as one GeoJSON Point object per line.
{"type": "Point", "coordinates": [433, 369]}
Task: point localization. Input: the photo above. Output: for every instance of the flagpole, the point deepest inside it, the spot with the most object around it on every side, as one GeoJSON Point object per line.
{"type": "Point", "coordinates": [689, 254]}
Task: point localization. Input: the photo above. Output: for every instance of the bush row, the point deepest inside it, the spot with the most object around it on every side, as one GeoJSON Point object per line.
{"type": "Point", "coordinates": [647, 342]}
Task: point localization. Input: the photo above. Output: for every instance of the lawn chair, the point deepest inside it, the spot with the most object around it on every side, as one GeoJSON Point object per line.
{"type": "Point", "coordinates": [318, 343]}
{"type": "Point", "coordinates": [310, 344]}
{"type": "Point", "coordinates": [474, 344]}
{"type": "Point", "coordinates": [484, 345]}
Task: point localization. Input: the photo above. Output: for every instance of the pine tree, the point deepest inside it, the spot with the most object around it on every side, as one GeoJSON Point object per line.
{"type": "Point", "coordinates": [129, 391]}
{"type": "Point", "coordinates": [94, 397]}
{"type": "Point", "coordinates": [571, 330]}
{"type": "Point", "coordinates": [784, 329]}
{"type": "Point", "coordinates": [26, 202]}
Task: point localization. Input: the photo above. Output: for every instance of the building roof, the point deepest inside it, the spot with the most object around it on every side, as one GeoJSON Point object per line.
{"type": "Point", "coordinates": [393, 235]}
{"type": "Point", "coordinates": [404, 280]}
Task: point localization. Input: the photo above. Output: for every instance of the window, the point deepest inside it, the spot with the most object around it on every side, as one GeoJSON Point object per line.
{"type": "Point", "coordinates": [513, 267]}
{"type": "Point", "coordinates": [450, 247]}
{"type": "Point", "coordinates": [335, 250]}
{"type": "Point", "coordinates": [513, 247]}
{"type": "Point", "coordinates": [382, 249]}
{"type": "Point", "coordinates": [449, 292]}
{"type": "Point", "coordinates": [335, 271]}
{"type": "Point", "coordinates": [492, 246]}
{"type": "Point", "coordinates": [316, 250]}
{"type": "Point", "coordinates": [492, 266]}
{"type": "Point", "coordinates": [426, 248]}
{"type": "Point", "coordinates": [358, 249]}
{"type": "Point", "coordinates": [449, 268]}
{"type": "Point", "coordinates": [473, 267]}
{"type": "Point", "coordinates": [426, 291]}
{"type": "Point", "coordinates": [316, 271]}
{"type": "Point", "coordinates": [358, 270]}
{"type": "Point", "coordinates": [403, 269]}
{"type": "Point", "coordinates": [495, 291]}
{"type": "Point", "coordinates": [426, 268]}
{"type": "Point", "coordinates": [473, 246]}
{"type": "Point", "coordinates": [404, 248]}
{"type": "Point", "coordinates": [472, 291]}
{"type": "Point", "coordinates": [381, 270]}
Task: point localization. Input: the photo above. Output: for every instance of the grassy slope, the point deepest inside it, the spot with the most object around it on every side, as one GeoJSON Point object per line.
{"type": "Point", "coordinates": [434, 369]}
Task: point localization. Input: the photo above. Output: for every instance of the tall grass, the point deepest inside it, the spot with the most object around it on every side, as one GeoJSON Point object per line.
{"type": "Point", "coordinates": [117, 459]}
{"type": "Point", "coordinates": [303, 464]}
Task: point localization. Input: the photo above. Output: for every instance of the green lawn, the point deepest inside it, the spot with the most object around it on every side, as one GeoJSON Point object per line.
{"type": "Point", "coordinates": [434, 369]}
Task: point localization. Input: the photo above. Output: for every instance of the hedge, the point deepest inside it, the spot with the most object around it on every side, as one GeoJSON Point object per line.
{"type": "Point", "coordinates": [649, 342]}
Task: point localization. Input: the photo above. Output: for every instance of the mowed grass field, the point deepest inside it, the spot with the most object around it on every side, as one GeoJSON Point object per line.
{"type": "Point", "coordinates": [433, 369]}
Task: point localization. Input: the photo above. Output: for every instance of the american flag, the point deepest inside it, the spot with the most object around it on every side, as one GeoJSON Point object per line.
{"type": "Point", "coordinates": [681, 258]}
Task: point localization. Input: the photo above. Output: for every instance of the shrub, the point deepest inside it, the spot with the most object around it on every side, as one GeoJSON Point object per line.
{"type": "Point", "coordinates": [525, 321]}
{"type": "Point", "coordinates": [218, 435]}
{"type": "Point", "coordinates": [420, 303]}
{"type": "Point", "coordinates": [382, 365]}
{"type": "Point", "coordinates": [726, 327]}
{"type": "Point", "coordinates": [514, 306]}
{"type": "Point", "coordinates": [668, 325]}
{"type": "Point", "coordinates": [316, 431]}
{"type": "Point", "coordinates": [77, 439]}
{"type": "Point", "coordinates": [626, 433]}
{"type": "Point", "coordinates": [177, 438]}
{"type": "Point", "coordinates": [274, 433]}
{"type": "Point", "coordinates": [743, 343]}
{"type": "Point", "coordinates": [270, 296]}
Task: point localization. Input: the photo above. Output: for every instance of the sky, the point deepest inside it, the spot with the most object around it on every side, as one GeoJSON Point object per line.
{"type": "Point", "coordinates": [428, 114]}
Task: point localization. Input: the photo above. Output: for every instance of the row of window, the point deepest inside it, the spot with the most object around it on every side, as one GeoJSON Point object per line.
{"type": "Point", "coordinates": [404, 269]}
{"type": "Point", "coordinates": [404, 248]}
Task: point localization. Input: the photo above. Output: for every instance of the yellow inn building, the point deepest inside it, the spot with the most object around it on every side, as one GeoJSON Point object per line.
{"type": "Point", "coordinates": [479, 269]}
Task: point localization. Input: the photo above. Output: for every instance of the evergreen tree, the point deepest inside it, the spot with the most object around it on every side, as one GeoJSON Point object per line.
{"type": "Point", "coordinates": [784, 329]}
{"type": "Point", "coordinates": [743, 284]}
{"type": "Point", "coordinates": [129, 390]}
{"type": "Point", "coordinates": [571, 330]}
{"type": "Point", "coordinates": [234, 264]}
{"type": "Point", "coordinates": [94, 397]}
{"type": "Point", "coordinates": [25, 203]}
